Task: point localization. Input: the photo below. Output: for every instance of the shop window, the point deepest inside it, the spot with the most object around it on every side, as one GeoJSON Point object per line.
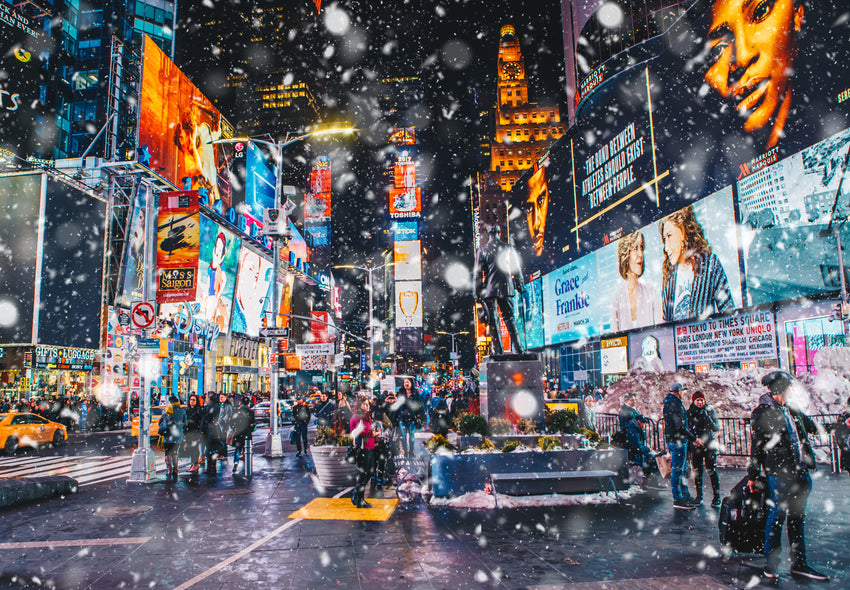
{"type": "Point", "coordinates": [806, 338]}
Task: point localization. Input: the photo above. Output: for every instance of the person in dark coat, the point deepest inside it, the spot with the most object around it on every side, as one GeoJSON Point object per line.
{"type": "Point", "coordinates": [780, 446]}
{"type": "Point", "coordinates": [439, 415]}
{"type": "Point", "coordinates": [324, 410]}
{"type": "Point", "coordinates": [495, 274]}
{"type": "Point", "coordinates": [342, 414]}
{"type": "Point", "coordinates": [631, 424]}
{"type": "Point", "coordinates": [172, 424]}
{"type": "Point", "coordinates": [409, 414]}
{"type": "Point", "coordinates": [703, 421]}
{"type": "Point", "coordinates": [677, 434]}
{"type": "Point", "coordinates": [243, 424]}
{"type": "Point", "coordinates": [841, 431]}
{"type": "Point", "coordinates": [300, 419]}
{"type": "Point", "coordinates": [192, 434]}
{"type": "Point", "coordinates": [214, 436]}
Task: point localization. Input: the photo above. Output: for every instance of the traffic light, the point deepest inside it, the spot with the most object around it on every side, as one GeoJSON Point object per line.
{"type": "Point", "coordinates": [835, 313]}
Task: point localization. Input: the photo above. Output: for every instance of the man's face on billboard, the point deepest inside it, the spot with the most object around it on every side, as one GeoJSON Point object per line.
{"type": "Point", "coordinates": [752, 47]}
{"type": "Point", "coordinates": [536, 206]}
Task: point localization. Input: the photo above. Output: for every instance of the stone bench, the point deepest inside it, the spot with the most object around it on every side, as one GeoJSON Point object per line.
{"type": "Point", "coordinates": [553, 482]}
{"type": "Point", "coordinates": [17, 491]}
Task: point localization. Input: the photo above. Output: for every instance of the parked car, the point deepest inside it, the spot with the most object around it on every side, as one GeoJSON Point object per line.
{"type": "Point", "coordinates": [156, 414]}
{"type": "Point", "coordinates": [19, 429]}
{"type": "Point", "coordinates": [263, 409]}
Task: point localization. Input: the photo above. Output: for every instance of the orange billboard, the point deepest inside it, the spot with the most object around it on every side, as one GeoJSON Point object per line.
{"type": "Point", "coordinates": [405, 202]}
{"type": "Point", "coordinates": [177, 123]}
{"type": "Point", "coordinates": [404, 175]}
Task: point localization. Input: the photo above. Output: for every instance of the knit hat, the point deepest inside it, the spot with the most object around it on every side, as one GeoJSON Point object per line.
{"type": "Point", "coordinates": [697, 395]}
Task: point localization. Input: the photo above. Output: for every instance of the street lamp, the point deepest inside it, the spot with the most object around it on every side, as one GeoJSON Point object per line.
{"type": "Point", "coordinates": [454, 349]}
{"type": "Point", "coordinates": [274, 445]}
{"type": "Point", "coordinates": [369, 270]}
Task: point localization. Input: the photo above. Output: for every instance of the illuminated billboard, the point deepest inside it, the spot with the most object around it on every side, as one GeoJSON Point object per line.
{"type": "Point", "coordinates": [217, 262]}
{"type": "Point", "coordinates": [408, 304]}
{"type": "Point", "coordinates": [259, 182]}
{"type": "Point", "coordinates": [23, 118]}
{"type": "Point", "coordinates": [177, 243]}
{"type": "Point", "coordinates": [133, 267]}
{"type": "Point", "coordinates": [403, 136]}
{"type": "Point", "coordinates": [405, 231]}
{"type": "Point", "coordinates": [252, 288]}
{"type": "Point", "coordinates": [405, 202]}
{"type": "Point", "coordinates": [532, 312]}
{"type": "Point", "coordinates": [404, 174]}
{"type": "Point", "coordinates": [178, 124]}
{"type": "Point", "coordinates": [408, 260]}
{"type": "Point", "coordinates": [320, 176]}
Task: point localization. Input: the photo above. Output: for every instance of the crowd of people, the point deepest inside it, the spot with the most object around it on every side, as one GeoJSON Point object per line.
{"type": "Point", "coordinates": [75, 413]}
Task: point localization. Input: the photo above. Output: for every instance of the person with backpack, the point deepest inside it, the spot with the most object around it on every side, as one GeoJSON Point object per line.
{"type": "Point", "coordinates": [171, 426]}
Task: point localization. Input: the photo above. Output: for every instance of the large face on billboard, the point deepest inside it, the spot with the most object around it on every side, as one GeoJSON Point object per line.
{"type": "Point", "coordinates": [179, 124]}
{"type": "Point", "coordinates": [217, 263]}
{"type": "Point", "coordinates": [252, 287]}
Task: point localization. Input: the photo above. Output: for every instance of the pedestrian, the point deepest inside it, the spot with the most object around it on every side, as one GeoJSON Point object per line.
{"type": "Point", "coordinates": [631, 426]}
{"type": "Point", "coordinates": [300, 419]}
{"type": "Point", "coordinates": [677, 435]}
{"type": "Point", "coordinates": [841, 432]}
{"type": "Point", "coordinates": [342, 415]}
{"type": "Point", "coordinates": [703, 421]}
{"type": "Point", "coordinates": [214, 437]}
{"type": "Point", "coordinates": [225, 417]}
{"type": "Point", "coordinates": [780, 446]}
{"type": "Point", "coordinates": [192, 433]}
{"type": "Point", "coordinates": [439, 414]}
{"type": "Point", "coordinates": [244, 422]}
{"type": "Point", "coordinates": [363, 438]}
{"type": "Point", "coordinates": [324, 410]}
{"type": "Point", "coordinates": [587, 415]}
{"type": "Point", "coordinates": [409, 415]}
{"type": "Point", "coordinates": [171, 427]}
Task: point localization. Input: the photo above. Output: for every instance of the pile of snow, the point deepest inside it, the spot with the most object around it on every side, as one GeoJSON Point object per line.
{"type": "Point", "coordinates": [735, 393]}
{"type": "Point", "coordinates": [482, 500]}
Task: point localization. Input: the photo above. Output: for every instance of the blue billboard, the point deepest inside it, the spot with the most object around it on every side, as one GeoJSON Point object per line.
{"type": "Point", "coordinates": [259, 182]}
{"type": "Point", "coordinates": [571, 294]}
{"type": "Point", "coordinates": [406, 231]}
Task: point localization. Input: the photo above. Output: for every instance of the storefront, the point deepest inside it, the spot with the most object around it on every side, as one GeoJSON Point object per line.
{"type": "Point", "coordinates": [45, 371]}
{"type": "Point", "coordinates": [806, 330]}
{"type": "Point", "coordinates": [239, 370]}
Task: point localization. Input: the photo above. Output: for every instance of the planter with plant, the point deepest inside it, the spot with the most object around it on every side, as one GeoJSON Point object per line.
{"type": "Point", "coordinates": [328, 454]}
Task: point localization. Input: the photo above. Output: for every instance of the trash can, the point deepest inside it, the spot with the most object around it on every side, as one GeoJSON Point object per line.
{"type": "Point", "coordinates": [249, 456]}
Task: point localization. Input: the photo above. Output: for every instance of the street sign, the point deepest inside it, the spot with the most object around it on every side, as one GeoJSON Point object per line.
{"type": "Point", "coordinates": [147, 343]}
{"type": "Point", "coordinates": [142, 314]}
{"type": "Point", "coordinates": [123, 319]}
{"type": "Point", "coordinates": [275, 222]}
{"type": "Point", "coordinates": [274, 332]}
{"type": "Point", "coordinates": [322, 349]}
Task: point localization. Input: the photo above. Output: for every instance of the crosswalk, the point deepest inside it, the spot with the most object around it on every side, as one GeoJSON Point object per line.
{"type": "Point", "coordinates": [87, 470]}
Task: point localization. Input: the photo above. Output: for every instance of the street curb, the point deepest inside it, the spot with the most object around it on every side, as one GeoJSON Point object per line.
{"type": "Point", "coordinates": [17, 491]}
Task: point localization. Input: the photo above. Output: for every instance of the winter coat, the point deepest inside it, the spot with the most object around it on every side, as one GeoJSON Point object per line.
{"type": "Point", "coordinates": [301, 414]}
{"type": "Point", "coordinates": [171, 425]}
{"type": "Point", "coordinates": [631, 422]}
{"type": "Point", "coordinates": [210, 426]}
{"type": "Point", "coordinates": [194, 418]}
{"type": "Point", "coordinates": [703, 422]}
{"type": "Point", "coordinates": [676, 429]}
{"type": "Point", "coordinates": [243, 424]}
{"type": "Point", "coordinates": [410, 408]}
{"type": "Point", "coordinates": [771, 447]}
{"type": "Point", "coordinates": [324, 412]}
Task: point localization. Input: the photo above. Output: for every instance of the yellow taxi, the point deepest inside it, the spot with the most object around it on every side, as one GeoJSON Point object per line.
{"type": "Point", "coordinates": [156, 414]}
{"type": "Point", "coordinates": [19, 429]}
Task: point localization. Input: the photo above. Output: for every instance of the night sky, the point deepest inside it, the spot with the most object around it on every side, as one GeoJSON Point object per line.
{"type": "Point", "coordinates": [342, 53]}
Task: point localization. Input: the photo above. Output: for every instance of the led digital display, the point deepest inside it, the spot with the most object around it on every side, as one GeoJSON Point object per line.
{"type": "Point", "coordinates": [408, 304]}
{"type": "Point", "coordinates": [217, 263]}
{"type": "Point", "coordinates": [252, 288]}
{"type": "Point", "coordinates": [408, 260]}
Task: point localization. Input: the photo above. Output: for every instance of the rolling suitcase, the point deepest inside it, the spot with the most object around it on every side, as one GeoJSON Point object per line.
{"type": "Point", "coordinates": [743, 516]}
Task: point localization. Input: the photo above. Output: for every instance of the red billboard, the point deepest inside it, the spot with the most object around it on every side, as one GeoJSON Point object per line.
{"type": "Point", "coordinates": [404, 175]}
{"type": "Point", "coordinates": [405, 202]}
{"type": "Point", "coordinates": [177, 246]}
{"type": "Point", "coordinates": [178, 125]}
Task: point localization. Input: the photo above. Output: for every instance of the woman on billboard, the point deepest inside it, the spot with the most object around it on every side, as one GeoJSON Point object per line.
{"type": "Point", "coordinates": [635, 303]}
{"type": "Point", "coordinates": [693, 282]}
{"type": "Point", "coordinates": [214, 306]}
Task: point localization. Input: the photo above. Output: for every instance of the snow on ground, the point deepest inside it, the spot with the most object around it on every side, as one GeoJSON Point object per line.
{"type": "Point", "coordinates": [482, 500]}
{"type": "Point", "coordinates": [735, 393]}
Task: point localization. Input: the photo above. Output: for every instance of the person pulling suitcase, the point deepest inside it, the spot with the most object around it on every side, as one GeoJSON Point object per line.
{"type": "Point", "coordinates": [780, 446]}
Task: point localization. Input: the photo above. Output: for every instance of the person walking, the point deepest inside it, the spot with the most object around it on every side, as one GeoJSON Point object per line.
{"type": "Point", "coordinates": [780, 446]}
{"type": "Point", "coordinates": [171, 427]}
{"type": "Point", "coordinates": [677, 435]}
{"type": "Point", "coordinates": [213, 435]}
{"type": "Point", "coordinates": [324, 410]}
{"type": "Point", "coordinates": [300, 419]}
{"type": "Point", "coordinates": [192, 434]}
{"type": "Point", "coordinates": [841, 431]}
{"type": "Point", "coordinates": [243, 423]}
{"type": "Point", "coordinates": [225, 417]}
{"type": "Point", "coordinates": [409, 416]}
{"type": "Point", "coordinates": [342, 414]}
{"type": "Point", "coordinates": [363, 438]}
{"type": "Point", "coordinates": [703, 421]}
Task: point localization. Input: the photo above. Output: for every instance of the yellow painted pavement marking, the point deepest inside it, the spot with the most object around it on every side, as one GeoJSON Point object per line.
{"type": "Point", "coordinates": [343, 509]}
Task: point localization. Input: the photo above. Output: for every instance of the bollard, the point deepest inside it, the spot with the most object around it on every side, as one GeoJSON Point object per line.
{"type": "Point", "coordinates": [249, 457]}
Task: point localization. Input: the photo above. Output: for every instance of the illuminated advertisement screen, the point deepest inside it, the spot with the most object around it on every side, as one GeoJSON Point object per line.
{"type": "Point", "coordinates": [405, 231]}
{"type": "Point", "coordinates": [178, 124]}
{"type": "Point", "coordinates": [408, 304]}
{"type": "Point", "coordinates": [783, 208]}
{"type": "Point", "coordinates": [403, 136]}
{"type": "Point", "coordinates": [299, 254]}
{"type": "Point", "coordinates": [133, 267]}
{"type": "Point", "coordinates": [253, 283]}
{"type": "Point", "coordinates": [405, 202]}
{"type": "Point", "coordinates": [20, 201]}
{"type": "Point", "coordinates": [259, 182]}
{"type": "Point", "coordinates": [532, 311]}
{"type": "Point", "coordinates": [408, 260]}
{"type": "Point", "coordinates": [319, 234]}
{"type": "Point", "coordinates": [22, 113]}
{"type": "Point", "coordinates": [177, 243]}
{"type": "Point", "coordinates": [571, 302]}
{"type": "Point", "coordinates": [217, 263]}
{"type": "Point", "coordinates": [404, 175]}
{"type": "Point", "coordinates": [320, 176]}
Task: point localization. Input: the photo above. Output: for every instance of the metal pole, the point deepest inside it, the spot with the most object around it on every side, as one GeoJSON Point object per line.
{"type": "Point", "coordinates": [274, 446]}
{"type": "Point", "coordinates": [143, 467]}
{"type": "Point", "coordinates": [371, 334]}
{"type": "Point", "coordinates": [843, 284]}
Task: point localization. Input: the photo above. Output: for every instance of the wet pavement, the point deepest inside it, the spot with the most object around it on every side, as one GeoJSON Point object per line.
{"type": "Point", "coordinates": [226, 532]}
